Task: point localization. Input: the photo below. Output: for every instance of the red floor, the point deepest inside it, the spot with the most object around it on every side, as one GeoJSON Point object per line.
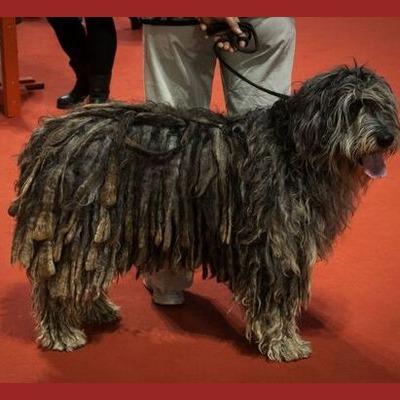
{"type": "Point", "coordinates": [353, 320]}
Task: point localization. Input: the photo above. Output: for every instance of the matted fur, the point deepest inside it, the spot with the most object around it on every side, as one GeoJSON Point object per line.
{"type": "Point", "coordinates": [255, 201]}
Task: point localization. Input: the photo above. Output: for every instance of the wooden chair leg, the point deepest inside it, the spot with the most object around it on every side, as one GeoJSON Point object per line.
{"type": "Point", "coordinates": [9, 66]}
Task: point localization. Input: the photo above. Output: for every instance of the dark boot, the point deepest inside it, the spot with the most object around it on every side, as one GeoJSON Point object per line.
{"type": "Point", "coordinates": [79, 92]}
{"type": "Point", "coordinates": [99, 88]}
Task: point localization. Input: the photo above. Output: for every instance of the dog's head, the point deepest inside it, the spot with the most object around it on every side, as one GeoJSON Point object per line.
{"type": "Point", "coordinates": [346, 115]}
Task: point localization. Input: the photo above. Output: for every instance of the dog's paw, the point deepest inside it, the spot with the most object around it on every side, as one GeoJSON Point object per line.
{"type": "Point", "coordinates": [103, 311]}
{"type": "Point", "coordinates": [67, 340]}
{"type": "Point", "coordinates": [288, 349]}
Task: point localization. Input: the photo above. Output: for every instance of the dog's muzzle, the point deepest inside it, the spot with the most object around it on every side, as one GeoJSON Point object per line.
{"type": "Point", "coordinates": [374, 164]}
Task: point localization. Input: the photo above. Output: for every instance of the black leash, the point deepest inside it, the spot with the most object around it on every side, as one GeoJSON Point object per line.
{"type": "Point", "coordinates": [251, 46]}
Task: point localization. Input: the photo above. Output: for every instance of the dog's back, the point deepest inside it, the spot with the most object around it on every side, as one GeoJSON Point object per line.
{"type": "Point", "coordinates": [118, 185]}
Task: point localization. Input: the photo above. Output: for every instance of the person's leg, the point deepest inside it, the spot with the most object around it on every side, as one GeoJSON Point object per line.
{"type": "Point", "coordinates": [102, 48]}
{"type": "Point", "coordinates": [271, 66]}
{"type": "Point", "coordinates": [72, 38]}
{"type": "Point", "coordinates": [178, 65]}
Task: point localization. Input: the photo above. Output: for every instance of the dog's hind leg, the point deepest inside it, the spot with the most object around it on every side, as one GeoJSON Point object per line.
{"type": "Point", "coordinates": [101, 311]}
{"type": "Point", "coordinates": [58, 322]}
{"type": "Point", "coordinates": [277, 337]}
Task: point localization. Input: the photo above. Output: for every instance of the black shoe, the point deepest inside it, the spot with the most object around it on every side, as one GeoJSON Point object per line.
{"type": "Point", "coordinates": [70, 100]}
{"type": "Point", "coordinates": [77, 95]}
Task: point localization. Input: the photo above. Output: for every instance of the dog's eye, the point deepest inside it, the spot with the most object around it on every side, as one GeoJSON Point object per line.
{"type": "Point", "coordinates": [354, 109]}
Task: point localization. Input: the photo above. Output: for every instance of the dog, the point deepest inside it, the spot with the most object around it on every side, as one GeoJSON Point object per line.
{"type": "Point", "coordinates": [253, 200]}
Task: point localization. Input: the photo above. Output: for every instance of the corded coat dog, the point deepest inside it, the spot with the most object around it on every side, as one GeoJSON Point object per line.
{"type": "Point", "coordinates": [254, 201]}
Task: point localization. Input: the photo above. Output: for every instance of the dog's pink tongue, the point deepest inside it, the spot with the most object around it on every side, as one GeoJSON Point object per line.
{"type": "Point", "coordinates": [374, 165]}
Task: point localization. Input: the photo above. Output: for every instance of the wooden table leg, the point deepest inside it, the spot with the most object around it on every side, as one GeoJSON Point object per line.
{"type": "Point", "coordinates": [10, 67]}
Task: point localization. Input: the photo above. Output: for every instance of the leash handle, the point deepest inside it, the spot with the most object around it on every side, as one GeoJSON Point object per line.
{"type": "Point", "coordinates": [223, 29]}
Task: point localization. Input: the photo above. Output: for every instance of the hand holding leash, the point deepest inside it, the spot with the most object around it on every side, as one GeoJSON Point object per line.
{"type": "Point", "coordinates": [227, 32]}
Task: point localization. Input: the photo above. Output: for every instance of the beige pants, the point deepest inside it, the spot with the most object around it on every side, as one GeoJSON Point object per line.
{"type": "Point", "coordinates": [179, 65]}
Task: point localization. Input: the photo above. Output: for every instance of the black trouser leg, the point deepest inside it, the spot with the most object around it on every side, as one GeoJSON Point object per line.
{"type": "Point", "coordinates": [102, 48]}
{"type": "Point", "coordinates": [71, 35]}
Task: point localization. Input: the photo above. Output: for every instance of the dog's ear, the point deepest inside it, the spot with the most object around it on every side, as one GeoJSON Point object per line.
{"type": "Point", "coordinates": [310, 118]}
{"type": "Point", "coordinates": [319, 109]}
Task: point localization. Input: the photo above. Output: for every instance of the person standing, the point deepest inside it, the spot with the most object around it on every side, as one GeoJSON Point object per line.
{"type": "Point", "coordinates": [91, 44]}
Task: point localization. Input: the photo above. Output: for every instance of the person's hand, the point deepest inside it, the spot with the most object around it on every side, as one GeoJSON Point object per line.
{"type": "Point", "coordinates": [220, 37]}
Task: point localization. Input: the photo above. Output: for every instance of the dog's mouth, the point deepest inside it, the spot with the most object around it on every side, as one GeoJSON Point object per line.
{"type": "Point", "coordinates": [374, 165]}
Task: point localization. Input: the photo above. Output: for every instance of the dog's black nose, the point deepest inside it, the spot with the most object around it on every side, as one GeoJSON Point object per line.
{"type": "Point", "coordinates": [385, 139]}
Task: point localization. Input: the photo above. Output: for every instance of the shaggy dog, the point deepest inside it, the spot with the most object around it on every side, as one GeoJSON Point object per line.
{"type": "Point", "coordinates": [254, 201]}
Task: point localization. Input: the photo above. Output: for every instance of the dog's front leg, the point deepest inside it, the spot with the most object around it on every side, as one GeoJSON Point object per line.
{"type": "Point", "coordinates": [58, 321]}
{"type": "Point", "coordinates": [277, 337]}
{"type": "Point", "coordinates": [271, 317]}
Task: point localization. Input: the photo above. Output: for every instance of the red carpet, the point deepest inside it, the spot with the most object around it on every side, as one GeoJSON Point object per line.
{"type": "Point", "coordinates": [353, 320]}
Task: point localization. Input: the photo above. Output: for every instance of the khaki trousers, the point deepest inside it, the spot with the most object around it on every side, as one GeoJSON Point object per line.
{"type": "Point", "coordinates": [179, 65]}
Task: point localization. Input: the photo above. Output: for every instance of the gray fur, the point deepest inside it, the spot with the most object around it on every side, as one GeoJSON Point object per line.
{"type": "Point", "coordinates": [254, 201]}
